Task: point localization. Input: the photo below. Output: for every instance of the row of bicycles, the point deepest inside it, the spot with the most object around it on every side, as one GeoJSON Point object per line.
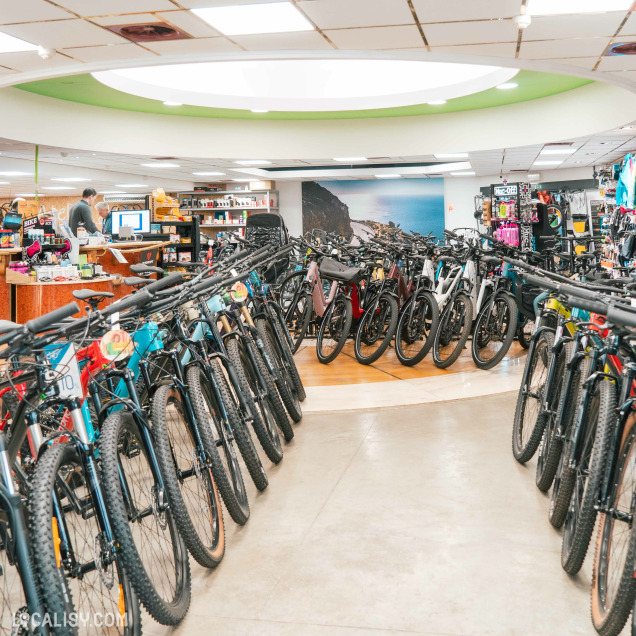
{"type": "Point", "coordinates": [576, 412]}
{"type": "Point", "coordinates": [125, 431]}
{"type": "Point", "coordinates": [414, 292]}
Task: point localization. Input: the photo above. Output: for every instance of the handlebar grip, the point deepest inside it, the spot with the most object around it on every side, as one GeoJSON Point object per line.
{"type": "Point", "coordinates": [578, 292]}
{"type": "Point", "coordinates": [592, 306]}
{"type": "Point", "coordinates": [451, 234]}
{"type": "Point", "coordinates": [164, 283]}
{"type": "Point", "coordinates": [208, 282]}
{"type": "Point", "coordinates": [621, 317]}
{"type": "Point", "coordinates": [42, 323]}
{"type": "Point", "coordinates": [237, 256]}
{"type": "Point", "coordinates": [541, 282]}
{"type": "Point", "coordinates": [141, 268]}
{"type": "Point", "coordinates": [132, 300]}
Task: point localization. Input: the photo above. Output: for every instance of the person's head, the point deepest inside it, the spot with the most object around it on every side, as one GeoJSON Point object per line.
{"type": "Point", "coordinates": [103, 209]}
{"type": "Point", "coordinates": [89, 195]}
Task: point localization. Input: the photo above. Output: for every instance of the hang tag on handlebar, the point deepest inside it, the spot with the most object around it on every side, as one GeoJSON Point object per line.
{"type": "Point", "coordinates": [238, 292]}
{"type": "Point", "coordinates": [116, 344]}
{"type": "Point", "coordinates": [64, 362]}
{"type": "Point", "coordinates": [114, 320]}
{"type": "Point", "coordinates": [233, 272]}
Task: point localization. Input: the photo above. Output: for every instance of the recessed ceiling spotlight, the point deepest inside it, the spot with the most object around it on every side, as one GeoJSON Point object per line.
{"type": "Point", "coordinates": [437, 102]}
{"type": "Point", "coordinates": [9, 44]}
{"type": "Point", "coordinates": [168, 103]}
{"type": "Point", "coordinates": [210, 173]}
{"type": "Point", "coordinates": [556, 150]}
{"type": "Point", "coordinates": [349, 159]}
{"type": "Point", "coordinates": [248, 19]}
{"type": "Point", "coordinates": [253, 162]}
{"type": "Point", "coordinates": [388, 176]}
{"type": "Point", "coordinates": [69, 179]}
{"type": "Point", "coordinates": [160, 164]}
{"type": "Point", "coordinates": [506, 86]}
{"type": "Point", "coordinates": [534, 177]}
{"type": "Point", "coordinates": [562, 7]}
{"type": "Point", "coordinates": [451, 155]}
{"type": "Point", "coordinates": [131, 185]}
{"type": "Point", "coordinates": [468, 173]}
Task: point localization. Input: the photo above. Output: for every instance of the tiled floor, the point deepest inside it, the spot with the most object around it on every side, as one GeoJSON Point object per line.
{"type": "Point", "coordinates": [398, 520]}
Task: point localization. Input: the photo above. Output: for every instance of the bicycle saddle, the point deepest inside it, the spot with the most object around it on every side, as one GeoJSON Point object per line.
{"type": "Point", "coordinates": [330, 268]}
{"type": "Point", "coordinates": [447, 259]}
{"type": "Point", "coordinates": [88, 294]}
{"type": "Point", "coordinates": [134, 281]}
{"type": "Point", "coordinates": [141, 268]}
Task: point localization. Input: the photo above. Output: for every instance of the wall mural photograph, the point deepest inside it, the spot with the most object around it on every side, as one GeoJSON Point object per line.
{"type": "Point", "coordinates": [374, 207]}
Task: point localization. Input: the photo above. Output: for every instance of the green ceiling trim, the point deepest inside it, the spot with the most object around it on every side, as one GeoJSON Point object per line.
{"type": "Point", "coordinates": [85, 89]}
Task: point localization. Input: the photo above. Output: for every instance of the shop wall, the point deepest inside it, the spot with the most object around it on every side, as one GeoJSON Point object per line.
{"type": "Point", "coordinates": [60, 203]}
{"type": "Point", "coordinates": [291, 205]}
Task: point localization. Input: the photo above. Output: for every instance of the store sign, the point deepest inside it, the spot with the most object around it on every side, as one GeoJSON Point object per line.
{"type": "Point", "coordinates": [506, 190]}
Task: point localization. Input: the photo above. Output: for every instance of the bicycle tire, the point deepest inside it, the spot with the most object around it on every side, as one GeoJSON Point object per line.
{"type": "Point", "coordinates": [477, 351]}
{"type": "Point", "coordinates": [283, 380]}
{"type": "Point", "coordinates": [580, 519]}
{"type": "Point", "coordinates": [176, 452]}
{"type": "Point", "coordinates": [341, 334]}
{"type": "Point", "coordinates": [404, 331]}
{"type": "Point", "coordinates": [463, 334]}
{"type": "Point", "coordinates": [242, 434]}
{"type": "Point", "coordinates": [54, 582]}
{"type": "Point", "coordinates": [298, 327]}
{"type": "Point", "coordinates": [224, 464]}
{"type": "Point", "coordinates": [550, 447]}
{"type": "Point", "coordinates": [610, 620]}
{"type": "Point", "coordinates": [389, 332]}
{"type": "Point", "coordinates": [526, 436]}
{"type": "Point", "coordinates": [524, 332]}
{"type": "Point", "coordinates": [166, 606]}
{"type": "Point", "coordinates": [564, 477]}
{"type": "Point", "coordinates": [280, 326]}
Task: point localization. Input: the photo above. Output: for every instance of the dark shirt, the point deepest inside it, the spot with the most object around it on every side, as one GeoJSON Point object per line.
{"type": "Point", "coordinates": [107, 226]}
{"type": "Point", "coordinates": [81, 213]}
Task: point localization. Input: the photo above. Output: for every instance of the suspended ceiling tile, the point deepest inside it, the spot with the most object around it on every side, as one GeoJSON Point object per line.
{"type": "Point", "coordinates": [201, 45]}
{"type": "Point", "coordinates": [31, 61]}
{"type": "Point", "coordinates": [376, 38]}
{"type": "Point", "coordinates": [63, 34]}
{"type": "Point", "coordinates": [452, 10]}
{"type": "Point", "coordinates": [190, 23]}
{"type": "Point", "coordinates": [573, 26]}
{"type": "Point", "coordinates": [584, 62]}
{"type": "Point", "coordinates": [112, 7]}
{"type": "Point", "coordinates": [116, 52]}
{"type": "Point", "coordinates": [497, 49]}
{"type": "Point", "coordinates": [616, 63]}
{"type": "Point", "coordinates": [283, 41]}
{"type": "Point", "coordinates": [336, 14]}
{"type": "Point", "coordinates": [137, 18]}
{"type": "Point", "coordinates": [470, 32]}
{"type": "Point", "coordinates": [201, 4]}
{"type": "Point", "coordinates": [31, 10]}
{"type": "Point", "coordinates": [563, 48]}
{"type": "Point", "coordinates": [631, 75]}
{"type": "Point", "coordinates": [629, 28]}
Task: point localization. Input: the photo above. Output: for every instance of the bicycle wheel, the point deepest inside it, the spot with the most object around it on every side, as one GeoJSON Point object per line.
{"type": "Point", "coordinates": [550, 447]}
{"type": "Point", "coordinates": [454, 328]}
{"type": "Point", "coordinates": [555, 216]}
{"type": "Point", "coordinates": [530, 419]}
{"type": "Point", "coordinates": [564, 477]}
{"type": "Point", "coordinates": [613, 584]}
{"type": "Point", "coordinates": [152, 550]}
{"type": "Point", "coordinates": [78, 572]}
{"type": "Point", "coordinates": [495, 329]}
{"type": "Point", "coordinates": [279, 325]}
{"type": "Point", "coordinates": [581, 515]}
{"type": "Point", "coordinates": [259, 407]}
{"type": "Point", "coordinates": [284, 383]}
{"type": "Point", "coordinates": [297, 305]}
{"type": "Point", "coordinates": [334, 329]}
{"type": "Point", "coordinates": [416, 328]}
{"type": "Point", "coordinates": [376, 329]}
{"type": "Point", "coordinates": [192, 492]}
{"type": "Point", "coordinates": [220, 448]}
{"type": "Point", "coordinates": [524, 332]}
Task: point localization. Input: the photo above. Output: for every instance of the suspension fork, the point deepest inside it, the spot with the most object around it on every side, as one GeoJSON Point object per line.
{"type": "Point", "coordinates": [251, 328]}
{"type": "Point", "coordinates": [570, 370]}
{"type": "Point", "coordinates": [557, 348]}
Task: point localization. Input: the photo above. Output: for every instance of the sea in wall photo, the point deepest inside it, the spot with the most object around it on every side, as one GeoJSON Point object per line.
{"type": "Point", "coordinates": [359, 207]}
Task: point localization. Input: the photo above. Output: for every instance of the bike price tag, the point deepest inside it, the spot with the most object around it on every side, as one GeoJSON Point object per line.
{"type": "Point", "coordinates": [233, 272]}
{"type": "Point", "coordinates": [116, 344]}
{"type": "Point", "coordinates": [64, 362]}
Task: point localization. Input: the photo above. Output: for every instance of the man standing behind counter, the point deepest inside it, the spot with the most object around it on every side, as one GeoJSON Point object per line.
{"type": "Point", "coordinates": [80, 213]}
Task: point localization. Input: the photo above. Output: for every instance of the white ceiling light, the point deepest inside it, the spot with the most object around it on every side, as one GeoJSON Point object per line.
{"type": "Point", "coordinates": [534, 178]}
{"type": "Point", "coordinates": [388, 176]}
{"type": "Point", "coordinates": [556, 150]}
{"type": "Point", "coordinates": [59, 188]}
{"type": "Point", "coordinates": [9, 44]}
{"type": "Point", "coordinates": [506, 86]}
{"type": "Point", "coordinates": [247, 19]}
{"type": "Point", "coordinates": [27, 194]}
{"type": "Point", "coordinates": [560, 7]}
{"type": "Point", "coordinates": [5, 182]}
{"type": "Point", "coordinates": [253, 162]}
{"type": "Point", "coordinates": [451, 155]}
{"type": "Point", "coordinates": [14, 173]}
{"type": "Point", "coordinates": [69, 179]}
{"type": "Point", "coordinates": [437, 102]}
{"type": "Point", "coordinates": [172, 104]}
{"type": "Point", "coordinates": [467, 173]}
{"type": "Point", "coordinates": [111, 192]}
{"type": "Point", "coordinates": [211, 173]}
{"type": "Point", "coordinates": [160, 164]}
{"type": "Point", "coordinates": [555, 162]}
{"type": "Point", "coordinates": [350, 159]}
{"type": "Point", "coordinates": [306, 84]}
{"type": "Point", "coordinates": [131, 185]}
{"type": "Point", "coordinates": [242, 180]}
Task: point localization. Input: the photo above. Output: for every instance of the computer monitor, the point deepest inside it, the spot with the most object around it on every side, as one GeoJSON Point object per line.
{"type": "Point", "coordinates": [138, 220]}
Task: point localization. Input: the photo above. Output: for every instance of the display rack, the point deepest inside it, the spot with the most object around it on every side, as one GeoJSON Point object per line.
{"type": "Point", "coordinates": [510, 212]}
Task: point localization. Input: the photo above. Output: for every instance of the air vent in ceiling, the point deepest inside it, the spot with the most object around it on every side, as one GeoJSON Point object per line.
{"type": "Point", "coordinates": [125, 198]}
{"type": "Point", "coordinates": [154, 32]}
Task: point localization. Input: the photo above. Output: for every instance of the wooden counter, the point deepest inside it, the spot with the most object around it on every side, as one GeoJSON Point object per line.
{"type": "Point", "coordinates": [33, 299]}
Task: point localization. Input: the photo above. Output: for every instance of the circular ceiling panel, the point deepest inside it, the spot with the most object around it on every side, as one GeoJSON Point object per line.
{"type": "Point", "coordinates": [306, 85]}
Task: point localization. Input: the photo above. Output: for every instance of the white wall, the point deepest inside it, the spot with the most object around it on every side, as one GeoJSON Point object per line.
{"type": "Point", "coordinates": [291, 205]}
